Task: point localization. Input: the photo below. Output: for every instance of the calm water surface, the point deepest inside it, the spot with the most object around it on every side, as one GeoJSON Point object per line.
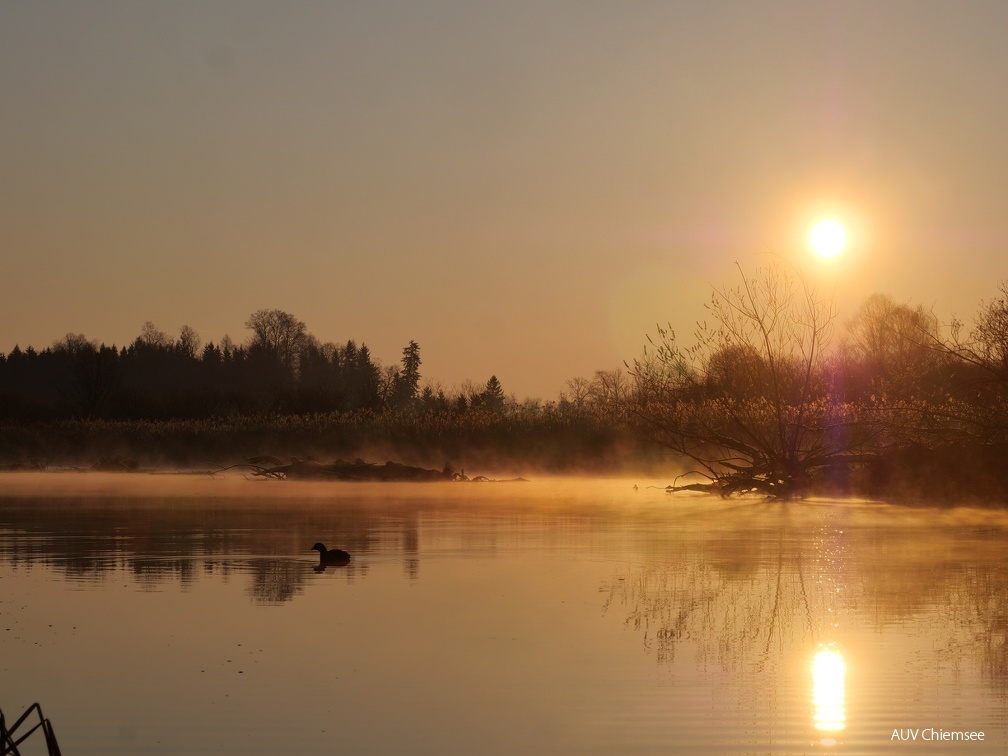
{"type": "Point", "coordinates": [173, 614]}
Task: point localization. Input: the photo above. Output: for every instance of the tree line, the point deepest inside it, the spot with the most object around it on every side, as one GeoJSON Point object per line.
{"type": "Point", "coordinates": [772, 394]}
{"type": "Point", "coordinates": [281, 368]}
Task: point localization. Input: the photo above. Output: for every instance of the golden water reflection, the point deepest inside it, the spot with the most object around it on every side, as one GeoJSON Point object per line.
{"type": "Point", "coordinates": [545, 620]}
{"type": "Point", "coordinates": [828, 695]}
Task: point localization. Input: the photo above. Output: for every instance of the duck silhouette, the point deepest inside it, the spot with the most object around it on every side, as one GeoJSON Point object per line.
{"type": "Point", "coordinates": [328, 557]}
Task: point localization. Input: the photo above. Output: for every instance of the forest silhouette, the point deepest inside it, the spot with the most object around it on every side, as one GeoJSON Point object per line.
{"type": "Point", "coordinates": [772, 396]}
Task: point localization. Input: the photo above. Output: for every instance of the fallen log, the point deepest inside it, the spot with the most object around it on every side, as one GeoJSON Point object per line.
{"type": "Point", "coordinates": [358, 470]}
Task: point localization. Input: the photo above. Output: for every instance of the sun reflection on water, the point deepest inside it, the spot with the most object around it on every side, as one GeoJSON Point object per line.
{"type": "Point", "coordinates": [828, 672]}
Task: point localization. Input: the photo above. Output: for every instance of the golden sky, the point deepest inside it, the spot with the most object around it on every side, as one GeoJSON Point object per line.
{"type": "Point", "coordinates": [524, 188]}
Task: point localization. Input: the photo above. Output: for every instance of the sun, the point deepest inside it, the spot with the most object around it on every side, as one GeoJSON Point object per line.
{"type": "Point", "coordinates": [828, 238]}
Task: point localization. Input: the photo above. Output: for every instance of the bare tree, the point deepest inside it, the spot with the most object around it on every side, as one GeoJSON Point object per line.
{"type": "Point", "coordinates": [609, 388]}
{"type": "Point", "coordinates": [748, 402]}
{"type": "Point", "coordinates": [579, 390]}
{"type": "Point", "coordinates": [92, 372]}
{"type": "Point", "coordinates": [990, 334]}
{"type": "Point", "coordinates": [386, 383]}
{"type": "Point", "coordinates": [978, 416]}
{"type": "Point", "coordinates": [986, 346]}
{"type": "Point", "coordinates": [894, 349]}
{"type": "Point", "coordinates": [278, 334]}
{"type": "Point", "coordinates": [188, 341]}
{"type": "Point", "coordinates": [152, 336]}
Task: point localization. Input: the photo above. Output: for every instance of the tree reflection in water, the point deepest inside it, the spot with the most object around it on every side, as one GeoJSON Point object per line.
{"type": "Point", "coordinates": [735, 596]}
{"type": "Point", "coordinates": [740, 590]}
{"type": "Point", "coordinates": [89, 539]}
{"type": "Point", "coordinates": [738, 583]}
{"type": "Point", "coordinates": [275, 581]}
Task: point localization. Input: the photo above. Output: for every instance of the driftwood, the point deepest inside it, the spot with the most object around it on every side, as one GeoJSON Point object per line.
{"type": "Point", "coordinates": [359, 470]}
{"type": "Point", "coordinates": [17, 464]}
{"type": "Point", "coordinates": [356, 470]}
{"type": "Point", "coordinates": [730, 486]}
{"type": "Point", "coordinates": [115, 464]}
{"type": "Point", "coordinates": [702, 487]}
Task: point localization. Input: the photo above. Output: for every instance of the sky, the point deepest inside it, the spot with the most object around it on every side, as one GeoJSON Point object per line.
{"type": "Point", "coordinates": [524, 188]}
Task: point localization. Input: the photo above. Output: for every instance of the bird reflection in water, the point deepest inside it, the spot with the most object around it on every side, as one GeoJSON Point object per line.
{"type": "Point", "coordinates": [828, 695]}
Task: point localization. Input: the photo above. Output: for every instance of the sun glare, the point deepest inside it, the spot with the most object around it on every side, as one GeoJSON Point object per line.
{"type": "Point", "coordinates": [828, 672]}
{"type": "Point", "coordinates": [828, 238]}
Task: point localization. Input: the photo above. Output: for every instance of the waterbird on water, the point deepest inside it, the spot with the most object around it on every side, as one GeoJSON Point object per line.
{"type": "Point", "coordinates": [331, 556]}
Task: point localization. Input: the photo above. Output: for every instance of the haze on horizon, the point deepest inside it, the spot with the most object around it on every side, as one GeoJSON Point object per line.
{"type": "Point", "coordinates": [525, 189]}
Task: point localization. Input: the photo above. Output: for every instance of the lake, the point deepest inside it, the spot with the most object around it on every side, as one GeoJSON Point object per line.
{"type": "Point", "coordinates": [169, 614]}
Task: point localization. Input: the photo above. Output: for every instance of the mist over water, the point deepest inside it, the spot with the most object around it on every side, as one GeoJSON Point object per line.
{"type": "Point", "coordinates": [175, 613]}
